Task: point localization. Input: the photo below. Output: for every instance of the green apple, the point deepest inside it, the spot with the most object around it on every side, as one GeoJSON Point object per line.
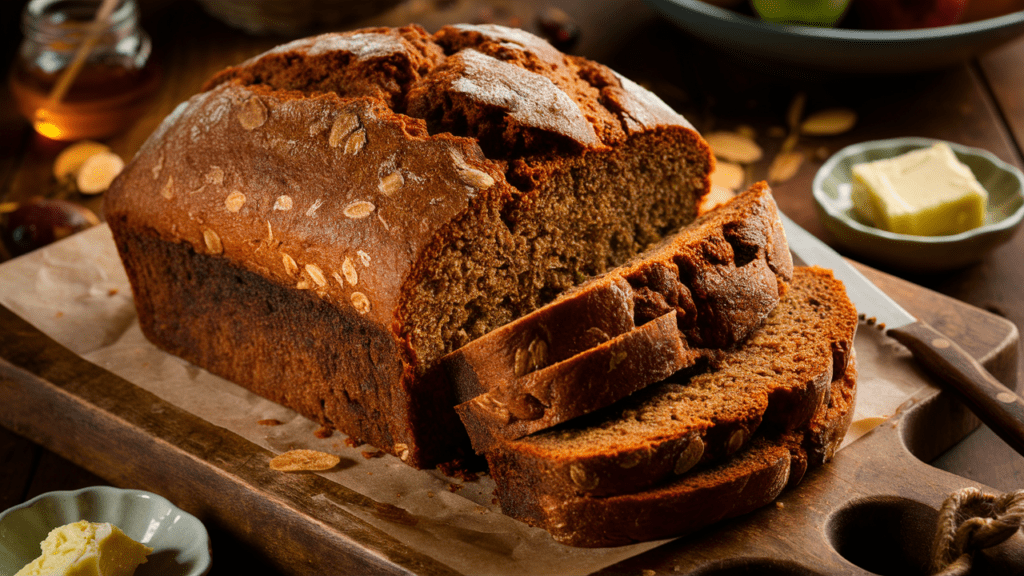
{"type": "Point", "coordinates": [807, 12]}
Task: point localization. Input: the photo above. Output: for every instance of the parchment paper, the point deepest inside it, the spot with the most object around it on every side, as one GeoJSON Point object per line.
{"type": "Point", "coordinates": [76, 292]}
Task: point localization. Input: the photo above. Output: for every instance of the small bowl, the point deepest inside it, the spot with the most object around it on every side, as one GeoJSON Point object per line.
{"type": "Point", "coordinates": [181, 546]}
{"type": "Point", "coordinates": [831, 188]}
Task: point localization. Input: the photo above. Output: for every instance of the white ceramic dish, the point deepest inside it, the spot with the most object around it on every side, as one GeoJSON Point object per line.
{"type": "Point", "coordinates": [181, 545]}
{"type": "Point", "coordinates": [839, 50]}
{"type": "Point", "coordinates": [831, 188]}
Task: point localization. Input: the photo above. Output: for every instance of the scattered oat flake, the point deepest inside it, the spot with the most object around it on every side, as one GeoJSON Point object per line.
{"type": "Point", "coordinates": [269, 422]}
{"type": "Point", "coordinates": [728, 175]}
{"type": "Point", "coordinates": [234, 201]}
{"type": "Point", "coordinates": [360, 209]}
{"type": "Point", "coordinates": [290, 266]}
{"type": "Point", "coordinates": [715, 198]}
{"type": "Point", "coordinates": [350, 271]}
{"type": "Point", "coordinates": [734, 147]}
{"type": "Point", "coordinates": [796, 110]}
{"type": "Point", "coordinates": [343, 125]}
{"type": "Point", "coordinates": [252, 114]}
{"type": "Point", "coordinates": [789, 144]}
{"type": "Point", "coordinates": [283, 203]}
{"type": "Point", "coordinates": [303, 460]}
{"type": "Point", "coordinates": [785, 166]}
{"type": "Point", "coordinates": [316, 274]}
{"type": "Point", "coordinates": [361, 302]}
{"type": "Point", "coordinates": [355, 142]}
{"type": "Point", "coordinates": [391, 183]}
{"type": "Point", "coordinates": [476, 178]}
{"type": "Point", "coordinates": [212, 241]}
{"type": "Point", "coordinates": [831, 122]}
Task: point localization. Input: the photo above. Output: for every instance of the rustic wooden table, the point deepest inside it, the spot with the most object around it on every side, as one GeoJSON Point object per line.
{"type": "Point", "coordinates": [980, 103]}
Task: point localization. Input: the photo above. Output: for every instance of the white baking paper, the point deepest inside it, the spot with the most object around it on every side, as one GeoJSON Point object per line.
{"type": "Point", "coordinates": [76, 292]}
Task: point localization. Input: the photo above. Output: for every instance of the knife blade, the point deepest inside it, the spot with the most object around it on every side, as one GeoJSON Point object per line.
{"type": "Point", "coordinates": [999, 407]}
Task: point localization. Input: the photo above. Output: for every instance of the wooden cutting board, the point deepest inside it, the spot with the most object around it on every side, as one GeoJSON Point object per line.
{"type": "Point", "coordinates": [876, 503]}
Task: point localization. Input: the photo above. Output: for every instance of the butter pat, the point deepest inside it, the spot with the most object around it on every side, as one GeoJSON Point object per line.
{"type": "Point", "coordinates": [926, 192]}
{"type": "Point", "coordinates": [87, 549]}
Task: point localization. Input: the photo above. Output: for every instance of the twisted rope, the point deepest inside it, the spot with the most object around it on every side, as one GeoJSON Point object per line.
{"type": "Point", "coordinates": [970, 521]}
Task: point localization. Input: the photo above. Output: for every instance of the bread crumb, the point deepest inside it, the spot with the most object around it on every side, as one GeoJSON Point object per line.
{"type": "Point", "coordinates": [269, 422]}
{"type": "Point", "coordinates": [353, 442]}
{"type": "Point", "coordinates": [112, 292]}
{"type": "Point", "coordinates": [453, 488]}
{"type": "Point", "coordinates": [324, 432]}
{"type": "Point", "coordinates": [780, 505]}
{"type": "Point", "coordinates": [368, 454]}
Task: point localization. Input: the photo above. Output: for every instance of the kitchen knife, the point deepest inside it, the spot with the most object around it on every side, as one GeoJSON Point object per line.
{"type": "Point", "coordinates": [1000, 408]}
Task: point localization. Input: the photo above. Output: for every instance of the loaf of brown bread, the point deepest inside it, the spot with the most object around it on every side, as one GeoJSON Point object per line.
{"type": "Point", "coordinates": [718, 278]}
{"type": "Point", "coordinates": [792, 382]}
{"type": "Point", "coordinates": [327, 220]}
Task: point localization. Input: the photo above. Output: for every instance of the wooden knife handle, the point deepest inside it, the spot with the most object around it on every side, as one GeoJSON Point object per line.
{"type": "Point", "coordinates": [1000, 408]}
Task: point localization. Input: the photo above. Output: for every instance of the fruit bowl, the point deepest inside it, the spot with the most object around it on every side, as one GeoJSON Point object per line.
{"type": "Point", "coordinates": [838, 50]}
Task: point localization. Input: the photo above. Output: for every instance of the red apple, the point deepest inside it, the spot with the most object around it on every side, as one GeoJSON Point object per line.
{"type": "Point", "coordinates": [907, 14]}
{"type": "Point", "coordinates": [984, 9]}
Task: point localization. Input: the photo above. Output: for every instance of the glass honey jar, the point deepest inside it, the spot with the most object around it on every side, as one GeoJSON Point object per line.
{"type": "Point", "coordinates": [83, 69]}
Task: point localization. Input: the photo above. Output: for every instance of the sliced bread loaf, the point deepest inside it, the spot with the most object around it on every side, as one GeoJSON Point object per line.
{"type": "Point", "coordinates": [782, 375]}
{"type": "Point", "coordinates": [324, 222]}
{"type": "Point", "coordinates": [751, 478]}
{"type": "Point", "coordinates": [718, 279]}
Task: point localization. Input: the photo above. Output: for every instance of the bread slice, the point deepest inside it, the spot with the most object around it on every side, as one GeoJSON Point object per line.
{"type": "Point", "coordinates": [781, 375]}
{"type": "Point", "coordinates": [751, 478]}
{"type": "Point", "coordinates": [718, 279]}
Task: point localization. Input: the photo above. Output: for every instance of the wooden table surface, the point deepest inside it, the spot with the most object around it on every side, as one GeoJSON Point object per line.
{"type": "Point", "coordinates": [980, 103]}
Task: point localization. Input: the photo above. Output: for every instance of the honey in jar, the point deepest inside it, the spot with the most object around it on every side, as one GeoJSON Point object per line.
{"type": "Point", "coordinates": [111, 83]}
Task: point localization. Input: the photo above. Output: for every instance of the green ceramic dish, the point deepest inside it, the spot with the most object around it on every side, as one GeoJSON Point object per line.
{"type": "Point", "coordinates": [181, 546]}
{"type": "Point", "coordinates": [1004, 183]}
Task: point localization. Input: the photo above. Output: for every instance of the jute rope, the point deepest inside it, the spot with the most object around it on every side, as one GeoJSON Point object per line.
{"type": "Point", "coordinates": [970, 521]}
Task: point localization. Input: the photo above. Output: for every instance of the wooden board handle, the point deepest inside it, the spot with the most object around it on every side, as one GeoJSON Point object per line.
{"type": "Point", "coordinates": [1000, 408]}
